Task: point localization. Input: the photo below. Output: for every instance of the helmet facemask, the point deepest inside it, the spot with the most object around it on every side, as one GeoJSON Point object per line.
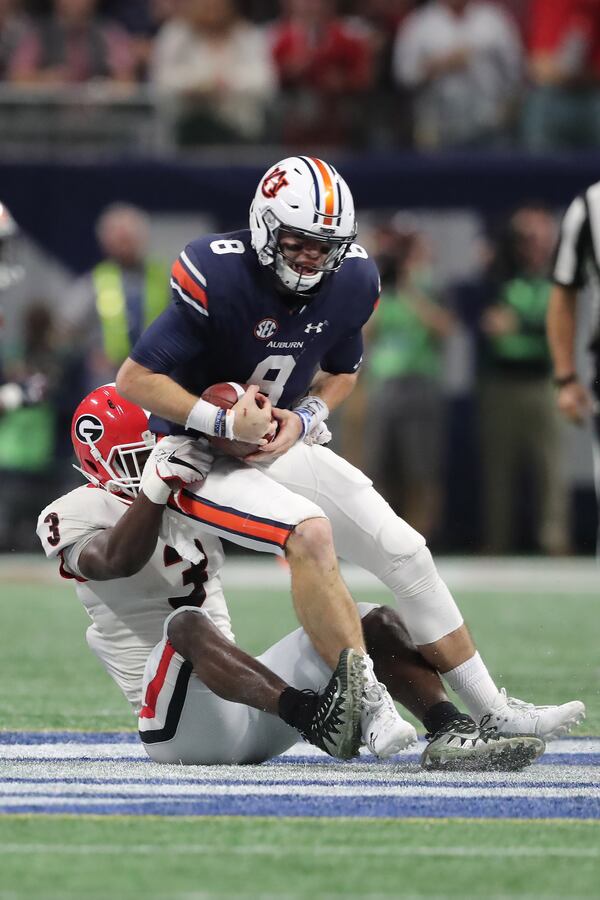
{"type": "Point", "coordinates": [124, 465]}
{"type": "Point", "coordinates": [129, 459]}
{"type": "Point", "coordinates": [273, 254]}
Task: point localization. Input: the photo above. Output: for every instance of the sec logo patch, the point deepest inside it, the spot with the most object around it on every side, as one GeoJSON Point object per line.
{"type": "Point", "coordinates": [265, 329]}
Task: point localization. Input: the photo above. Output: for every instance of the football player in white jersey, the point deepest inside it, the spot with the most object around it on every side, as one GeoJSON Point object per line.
{"type": "Point", "coordinates": [280, 306]}
{"type": "Point", "coordinates": [161, 627]}
{"type": "Point", "coordinates": [130, 581]}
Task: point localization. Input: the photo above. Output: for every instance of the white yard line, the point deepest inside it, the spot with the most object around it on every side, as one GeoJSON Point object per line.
{"type": "Point", "coordinates": [23, 794]}
{"type": "Point", "coordinates": [280, 850]}
{"type": "Point", "coordinates": [21, 776]}
{"type": "Point", "coordinates": [76, 749]}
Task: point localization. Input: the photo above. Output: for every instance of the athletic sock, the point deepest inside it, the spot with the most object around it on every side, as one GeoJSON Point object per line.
{"type": "Point", "coordinates": [474, 685]}
{"type": "Point", "coordinates": [440, 715]}
{"type": "Point", "coordinates": [297, 708]}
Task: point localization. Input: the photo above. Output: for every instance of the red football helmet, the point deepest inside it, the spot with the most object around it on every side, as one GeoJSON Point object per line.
{"type": "Point", "coordinates": [111, 440]}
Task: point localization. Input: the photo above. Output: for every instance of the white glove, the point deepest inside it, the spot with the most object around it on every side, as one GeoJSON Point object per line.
{"type": "Point", "coordinates": [320, 434]}
{"type": "Point", "coordinates": [176, 532]}
{"type": "Point", "coordinates": [175, 460]}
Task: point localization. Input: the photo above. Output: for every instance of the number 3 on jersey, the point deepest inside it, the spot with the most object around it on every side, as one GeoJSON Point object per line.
{"type": "Point", "coordinates": [271, 375]}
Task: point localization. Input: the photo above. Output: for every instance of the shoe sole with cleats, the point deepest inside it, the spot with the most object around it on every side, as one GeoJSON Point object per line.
{"type": "Point", "coordinates": [522, 752]}
{"type": "Point", "coordinates": [351, 670]}
{"type": "Point", "coordinates": [510, 754]}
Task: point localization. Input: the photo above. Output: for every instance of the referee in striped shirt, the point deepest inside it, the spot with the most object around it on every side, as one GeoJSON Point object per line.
{"type": "Point", "coordinates": [577, 264]}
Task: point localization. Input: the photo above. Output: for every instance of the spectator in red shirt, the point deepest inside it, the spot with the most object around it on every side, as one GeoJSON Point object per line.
{"type": "Point", "coordinates": [563, 105]}
{"type": "Point", "coordinates": [325, 68]}
{"type": "Point", "coordinates": [390, 112]}
{"type": "Point", "coordinates": [73, 46]}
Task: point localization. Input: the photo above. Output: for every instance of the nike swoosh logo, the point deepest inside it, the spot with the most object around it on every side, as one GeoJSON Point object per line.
{"type": "Point", "coordinates": [184, 463]}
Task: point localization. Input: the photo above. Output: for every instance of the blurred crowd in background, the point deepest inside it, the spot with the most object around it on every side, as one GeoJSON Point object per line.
{"type": "Point", "coordinates": [454, 417]}
{"type": "Point", "coordinates": [352, 73]}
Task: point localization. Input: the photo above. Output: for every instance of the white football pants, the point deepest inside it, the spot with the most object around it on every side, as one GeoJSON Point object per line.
{"type": "Point", "coordinates": [182, 721]}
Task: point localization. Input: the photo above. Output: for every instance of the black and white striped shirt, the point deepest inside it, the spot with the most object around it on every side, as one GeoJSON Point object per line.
{"type": "Point", "coordinates": [578, 252]}
{"type": "Point", "coordinates": [577, 258]}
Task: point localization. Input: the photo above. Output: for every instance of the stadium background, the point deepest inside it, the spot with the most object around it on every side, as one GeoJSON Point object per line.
{"type": "Point", "coordinates": [68, 150]}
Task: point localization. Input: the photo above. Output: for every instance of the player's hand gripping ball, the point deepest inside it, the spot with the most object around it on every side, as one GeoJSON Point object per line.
{"type": "Point", "coordinates": [226, 394]}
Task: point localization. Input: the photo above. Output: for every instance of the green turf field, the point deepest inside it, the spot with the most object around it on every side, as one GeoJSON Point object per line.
{"type": "Point", "coordinates": [542, 647]}
{"type": "Point", "coordinates": [261, 858]}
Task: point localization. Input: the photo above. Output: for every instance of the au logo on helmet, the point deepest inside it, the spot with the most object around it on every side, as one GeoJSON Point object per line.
{"type": "Point", "coordinates": [273, 182]}
{"type": "Point", "coordinates": [89, 428]}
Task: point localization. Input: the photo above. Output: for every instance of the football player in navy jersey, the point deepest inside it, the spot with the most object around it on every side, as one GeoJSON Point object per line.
{"type": "Point", "coordinates": [281, 307]}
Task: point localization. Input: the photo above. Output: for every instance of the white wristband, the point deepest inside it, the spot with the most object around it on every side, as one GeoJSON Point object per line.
{"type": "Point", "coordinates": [202, 417]}
{"type": "Point", "coordinates": [229, 420]}
{"type": "Point", "coordinates": [156, 490]}
{"type": "Point", "coordinates": [211, 419]}
{"type": "Point", "coordinates": [312, 411]}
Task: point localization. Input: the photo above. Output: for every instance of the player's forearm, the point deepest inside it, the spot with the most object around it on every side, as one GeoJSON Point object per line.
{"type": "Point", "coordinates": [158, 393]}
{"type": "Point", "coordinates": [124, 549]}
{"type": "Point", "coordinates": [561, 327]}
{"type": "Point", "coordinates": [333, 389]}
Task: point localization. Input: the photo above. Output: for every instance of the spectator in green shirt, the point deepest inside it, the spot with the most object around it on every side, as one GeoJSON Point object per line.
{"type": "Point", "coordinates": [519, 424]}
{"type": "Point", "coordinates": [406, 407]}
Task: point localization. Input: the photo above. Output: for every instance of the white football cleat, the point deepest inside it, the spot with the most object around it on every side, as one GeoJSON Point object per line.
{"type": "Point", "coordinates": [460, 746]}
{"type": "Point", "coordinates": [511, 716]}
{"type": "Point", "coordinates": [384, 730]}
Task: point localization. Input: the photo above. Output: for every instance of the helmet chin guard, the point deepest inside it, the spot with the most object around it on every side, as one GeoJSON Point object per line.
{"type": "Point", "coordinates": [294, 281]}
{"type": "Point", "coordinates": [307, 198]}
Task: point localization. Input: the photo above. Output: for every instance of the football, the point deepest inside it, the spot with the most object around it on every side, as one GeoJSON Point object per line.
{"type": "Point", "coordinates": [226, 394]}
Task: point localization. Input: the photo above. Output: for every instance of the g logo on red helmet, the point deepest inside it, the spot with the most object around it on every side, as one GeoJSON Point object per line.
{"type": "Point", "coordinates": [89, 428]}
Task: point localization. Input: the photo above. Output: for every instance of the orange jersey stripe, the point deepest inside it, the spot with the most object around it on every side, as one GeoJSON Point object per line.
{"type": "Point", "coordinates": [154, 688]}
{"type": "Point", "coordinates": [188, 284]}
{"type": "Point", "coordinates": [329, 189]}
{"type": "Point", "coordinates": [231, 521]}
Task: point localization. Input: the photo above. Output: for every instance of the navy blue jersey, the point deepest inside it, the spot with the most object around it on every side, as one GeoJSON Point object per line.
{"type": "Point", "coordinates": [228, 322]}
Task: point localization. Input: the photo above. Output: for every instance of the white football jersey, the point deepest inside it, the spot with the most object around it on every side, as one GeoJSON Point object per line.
{"type": "Point", "coordinates": [128, 614]}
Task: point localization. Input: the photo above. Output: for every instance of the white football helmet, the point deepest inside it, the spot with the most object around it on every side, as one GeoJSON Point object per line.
{"type": "Point", "coordinates": [305, 197]}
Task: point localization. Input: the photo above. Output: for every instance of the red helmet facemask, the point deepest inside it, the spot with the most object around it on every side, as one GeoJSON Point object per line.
{"type": "Point", "coordinates": [111, 440]}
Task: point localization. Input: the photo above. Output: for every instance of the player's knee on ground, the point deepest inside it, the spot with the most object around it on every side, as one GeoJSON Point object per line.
{"type": "Point", "coordinates": [423, 600]}
{"type": "Point", "coordinates": [311, 540]}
